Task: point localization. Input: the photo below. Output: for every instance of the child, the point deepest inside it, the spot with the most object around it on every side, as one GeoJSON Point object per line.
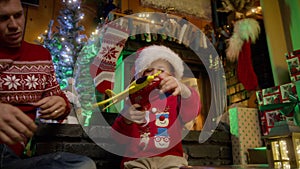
{"type": "Point", "coordinates": [152, 136]}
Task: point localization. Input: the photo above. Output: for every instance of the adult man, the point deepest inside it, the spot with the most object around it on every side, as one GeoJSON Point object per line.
{"type": "Point", "coordinates": [28, 85]}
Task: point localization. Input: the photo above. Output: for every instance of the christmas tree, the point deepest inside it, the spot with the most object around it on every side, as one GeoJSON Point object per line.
{"type": "Point", "coordinates": [65, 44]}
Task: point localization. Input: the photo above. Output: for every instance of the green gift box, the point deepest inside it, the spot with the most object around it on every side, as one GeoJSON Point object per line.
{"type": "Point", "coordinates": [289, 106]}
{"type": "Point", "coordinates": [276, 95]}
{"type": "Point", "coordinates": [245, 132]}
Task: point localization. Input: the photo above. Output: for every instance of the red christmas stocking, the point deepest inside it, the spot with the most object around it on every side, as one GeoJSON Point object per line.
{"type": "Point", "coordinates": [245, 71]}
{"type": "Point", "coordinates": [103, 67]}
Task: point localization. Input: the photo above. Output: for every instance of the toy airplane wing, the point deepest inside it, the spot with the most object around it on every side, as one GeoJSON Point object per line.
{"type": "Point", "coordinates": [113, 98]}
{"type": "Point", "coordinates": [110, 93]}
{"type": "Point", "coordinates": [135, 86]}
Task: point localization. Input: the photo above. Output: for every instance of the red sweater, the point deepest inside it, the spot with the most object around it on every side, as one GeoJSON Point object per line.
{"type": "Point", "coordinates": [26, 76]}
{"type": "Point", "coordinates": [162, 136]}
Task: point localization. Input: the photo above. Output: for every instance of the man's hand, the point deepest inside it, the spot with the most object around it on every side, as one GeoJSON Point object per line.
{"type": "Point", "coordinates": [15, 125]}
{"type": "Point", "coordinates": [52, 107]}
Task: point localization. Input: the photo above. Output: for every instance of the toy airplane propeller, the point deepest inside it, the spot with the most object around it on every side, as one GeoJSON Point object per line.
{"type": "Point", "coordinates": [135, 89]}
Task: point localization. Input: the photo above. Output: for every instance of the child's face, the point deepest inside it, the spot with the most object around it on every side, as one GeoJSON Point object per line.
{"type": "Point", "coordinates": [159, 65]}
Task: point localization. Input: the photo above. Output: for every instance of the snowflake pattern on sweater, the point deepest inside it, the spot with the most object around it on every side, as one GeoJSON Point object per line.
{"type": "Point", "coordinates": [26, 74]}
{"type": "Point", "coordinates": [27, 82]}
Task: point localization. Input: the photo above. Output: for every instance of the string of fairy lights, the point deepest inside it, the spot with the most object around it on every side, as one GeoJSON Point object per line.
{"type": "Point", "coordinates": [66, 42]}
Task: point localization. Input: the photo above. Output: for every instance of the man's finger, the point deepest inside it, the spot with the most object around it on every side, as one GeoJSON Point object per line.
{"type": "Point", "coordinates": [5, 139]}
{"type": "Point", "coordinates": [25, 125]}
{"type": "Point", "coordinates": [12, 133]}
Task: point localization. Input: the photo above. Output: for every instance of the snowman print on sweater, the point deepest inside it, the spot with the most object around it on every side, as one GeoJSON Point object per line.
{"type": "Point", "coordinates": [162, 138]}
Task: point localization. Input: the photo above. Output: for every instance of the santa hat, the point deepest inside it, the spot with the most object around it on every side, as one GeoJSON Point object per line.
{"type": "Point", "coordinates": [148, 55]}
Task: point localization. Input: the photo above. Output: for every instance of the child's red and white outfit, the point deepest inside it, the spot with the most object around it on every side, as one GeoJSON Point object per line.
{"type": "Point", "coordinates": [161, 136]}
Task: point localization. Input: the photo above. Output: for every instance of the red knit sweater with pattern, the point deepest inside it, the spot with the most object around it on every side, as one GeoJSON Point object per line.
{"type": "Point", "coordinates": [26, 76]}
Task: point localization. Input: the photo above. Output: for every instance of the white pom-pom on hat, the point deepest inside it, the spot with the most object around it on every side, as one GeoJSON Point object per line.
{"type": "Point", "coordinates": [155, 52]}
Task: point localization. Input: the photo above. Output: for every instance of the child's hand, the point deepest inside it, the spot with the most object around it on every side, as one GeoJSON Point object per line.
{"type": "Point", "coordinates": [135, 115]}
{"type": "Point", "coordinates": [170, 84]}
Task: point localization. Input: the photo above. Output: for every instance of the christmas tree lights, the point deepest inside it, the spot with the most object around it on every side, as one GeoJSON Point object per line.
{"type": "Point", "coordinates": [65, 44]}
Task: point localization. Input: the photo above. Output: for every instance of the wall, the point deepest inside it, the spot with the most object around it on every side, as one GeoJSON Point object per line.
{"type": "Point", "coordinates": [281, 18]}
{"type": "Point", "coordinates": [38, 17]}
{"type": "Point", "coordinates": [290, 14]}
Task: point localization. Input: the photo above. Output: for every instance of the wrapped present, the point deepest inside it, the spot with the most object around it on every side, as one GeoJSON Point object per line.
{"type": "Point", "coordinates": [277, 103]}
{"type": "Point", "coordinates": [245, 132]}
{"type": "Point", "coordinates": [292, 59]}
{"type": "Point", "coordinates": [276, 95]}
{"type": "Point", "coordinates": [286, 102]}
{"type": "Point", "coordinates": [268, 119]}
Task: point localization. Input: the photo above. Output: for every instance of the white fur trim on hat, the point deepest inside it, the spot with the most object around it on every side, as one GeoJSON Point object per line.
{"type": "Point", "coordinates": [154, 52]}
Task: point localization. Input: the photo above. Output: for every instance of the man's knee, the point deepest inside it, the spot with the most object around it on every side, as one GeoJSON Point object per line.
{"type": "Point", "coordinates": [75, 161]}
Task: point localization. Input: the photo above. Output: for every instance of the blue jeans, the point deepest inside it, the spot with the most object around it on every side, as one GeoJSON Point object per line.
{"type": "Point", "coordinates": [60, 160]}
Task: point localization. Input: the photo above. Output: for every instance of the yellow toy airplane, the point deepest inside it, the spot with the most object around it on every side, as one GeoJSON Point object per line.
{"type": "Point", "coordinates": [133, 87]}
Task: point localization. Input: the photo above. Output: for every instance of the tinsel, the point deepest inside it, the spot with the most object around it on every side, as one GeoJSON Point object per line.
{"type": "Point", "coordinates": [84, 83]}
